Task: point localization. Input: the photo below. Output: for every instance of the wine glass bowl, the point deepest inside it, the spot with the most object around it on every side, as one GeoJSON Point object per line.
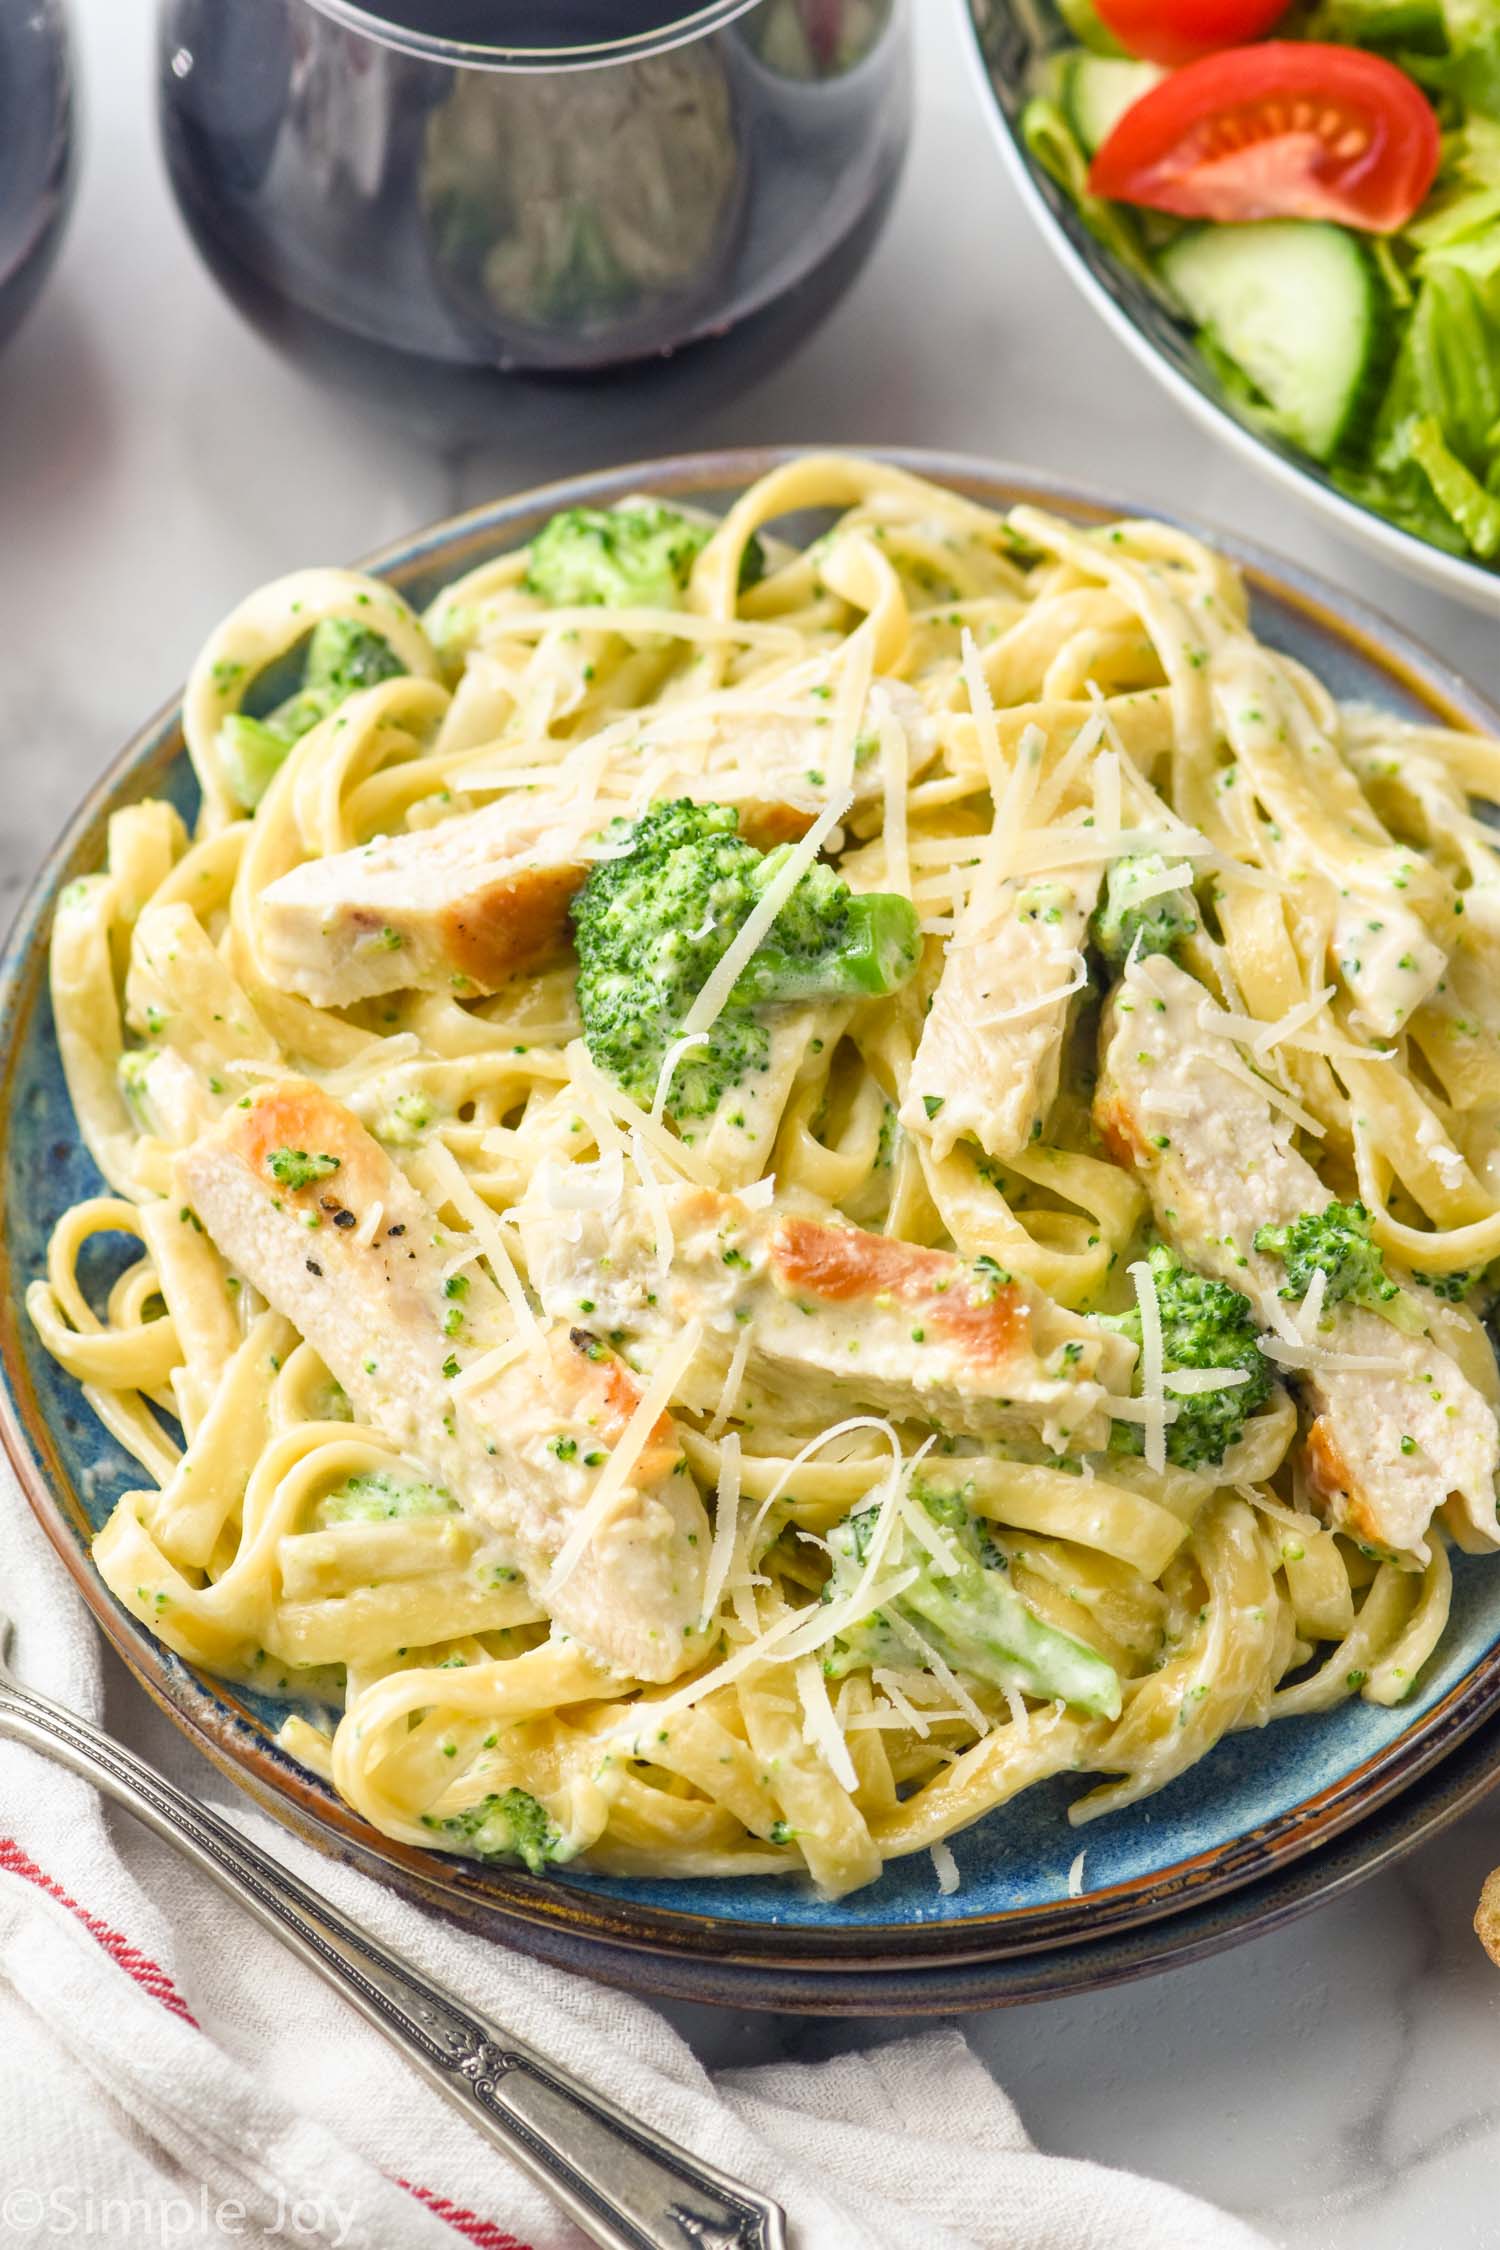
{"type": "Point", "coordinates": [424, 201]}
{"type": "Point", "coordinates": [37, 149]}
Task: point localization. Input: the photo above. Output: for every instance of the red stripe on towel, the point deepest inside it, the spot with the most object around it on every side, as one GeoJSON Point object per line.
{"type": "Point", "coordinates": [482, 2232]}
{"type": "Point", "coordinates": [147, 1973]}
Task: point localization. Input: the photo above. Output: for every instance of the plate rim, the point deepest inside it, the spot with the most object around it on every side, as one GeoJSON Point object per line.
{"type": "Point", "coordinates": [1087, 266]}
{"type": "Point", "coordinates": [509, 1902]}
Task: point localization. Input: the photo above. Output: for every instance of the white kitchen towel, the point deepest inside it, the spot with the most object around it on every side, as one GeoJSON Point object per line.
{"type": "Point", "coordinates": [169, 2075]}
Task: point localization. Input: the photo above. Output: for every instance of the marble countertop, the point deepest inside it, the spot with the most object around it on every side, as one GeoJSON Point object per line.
{"type": "Point", "coordinates": [1337, 2082]}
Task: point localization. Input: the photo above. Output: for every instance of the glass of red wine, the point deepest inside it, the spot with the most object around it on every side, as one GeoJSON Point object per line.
{"type": "Point", "coordinates": [37, 149]}
{"type": "Point", "coordinates": [457, 206]}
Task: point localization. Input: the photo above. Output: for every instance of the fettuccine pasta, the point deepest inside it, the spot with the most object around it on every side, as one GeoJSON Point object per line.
{"type": "Point", "coordinates": [774, 1189]}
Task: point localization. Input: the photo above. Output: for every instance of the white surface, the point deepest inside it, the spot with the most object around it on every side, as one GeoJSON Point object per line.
{"type": "Point", "coordinates": [277, 2098]}
{"type": "Point", "coordinates": [1339, 2082]}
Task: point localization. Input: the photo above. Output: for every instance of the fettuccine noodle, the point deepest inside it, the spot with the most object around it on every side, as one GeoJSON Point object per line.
{"type": "Point", "coordinates": [985, 709]}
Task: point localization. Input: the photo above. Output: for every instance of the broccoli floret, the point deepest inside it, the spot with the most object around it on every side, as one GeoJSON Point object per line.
{"type": "Point", "coordinates": [1203, 1324]}
{"type": "Point", "coordinates": [133, 1072]}
{"type": "Point", "coordinates": [511, 1826]}
{"type": "Point", "coordinates": [405, 1121]}
{"type": "Point", "coordinates": [1336, 1242]}
{"type": "Point", "coordinates": [830, 943]}
{"type": "Point", "coordinates": [653, 923]}
{"type": "Point", "coordinates": [375, 1496]}
{"type": "Point", "coordinates": [341, 657]}
{"type": "Point", "coordinates": [253, 751]}
{"type": "Point", "coordinates": [970, 1615]}
{"type": "Point", "coordinates": [294, 1168]}
{"type": "Point", "coordinates": [621, 557]}
{"type": "Point", "coordinates": [1456, 1288]}
{"type": "Point", "coordinates": [1123, 919]}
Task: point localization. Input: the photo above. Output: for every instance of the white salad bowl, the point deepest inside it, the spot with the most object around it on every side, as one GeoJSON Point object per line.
{"type": "Point", "coordinates": [1007, 39]}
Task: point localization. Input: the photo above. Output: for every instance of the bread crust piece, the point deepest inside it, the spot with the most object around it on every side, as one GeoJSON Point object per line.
{"type": "Point", "coordinates": [1487, 1916]}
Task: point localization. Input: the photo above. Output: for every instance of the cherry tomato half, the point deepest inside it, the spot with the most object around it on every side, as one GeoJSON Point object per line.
{"type": "Point", "coordinates": [1286, 130]}
{"type": "Point", "coordinates": [1177, 31]}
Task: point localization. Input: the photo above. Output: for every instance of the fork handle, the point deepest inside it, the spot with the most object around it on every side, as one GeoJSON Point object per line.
{"type": "Point", "coordinates": [625, 2186]}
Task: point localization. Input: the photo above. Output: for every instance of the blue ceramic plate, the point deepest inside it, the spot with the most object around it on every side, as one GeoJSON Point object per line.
{"type": "Point", "coordinates": [1009, 38]}
{"type": "Point", "coordinates": [1258, 1804]}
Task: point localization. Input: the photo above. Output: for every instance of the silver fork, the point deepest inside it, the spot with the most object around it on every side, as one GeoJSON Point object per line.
{"type": "Point", "coordinates": [625, 2186]}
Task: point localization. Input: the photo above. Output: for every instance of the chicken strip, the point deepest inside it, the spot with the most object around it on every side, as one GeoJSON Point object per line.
{"type": "Point", "coordinates": [311, 1210]}
{"type": "Point", "coordinates": [482, 897]}
{"type": "Point", "coordinates": [991, 1048]}
{"type": "Point", "coordinates": [462, 906]}
{"type": "Point", "coordinates": [1390, 1440]}
{"type": "Point", "coordinates": [860, 1319]}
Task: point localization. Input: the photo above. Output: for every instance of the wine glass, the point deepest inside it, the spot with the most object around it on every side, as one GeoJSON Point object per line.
{"type": "Point", "coordinates": [37, 149]}
{"type": "Point", "coordinates": [457, 205]}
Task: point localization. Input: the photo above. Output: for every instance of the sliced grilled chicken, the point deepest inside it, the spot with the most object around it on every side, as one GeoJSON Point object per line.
{"type": "Point", "coordinates": [311, 1210]}
{"type": "Point", "coordinates": [991, 1047]}
{"type": "Point", "coordinates": [882, 1325]}
{"type": "Point", "coordinates": [482, 897]}
{"type": "Point", "coordinates": [1391, 1439]}
{"type": "Point", "coordinates": [461, 906]}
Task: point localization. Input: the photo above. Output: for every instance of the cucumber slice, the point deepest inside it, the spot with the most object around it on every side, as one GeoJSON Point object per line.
{"type": "Point", "coordinates": [1096, 90]}
{"type": "Point", "coordinates": [1082, 19]}
{"type": "Point", "coordinates": [1298, 306]}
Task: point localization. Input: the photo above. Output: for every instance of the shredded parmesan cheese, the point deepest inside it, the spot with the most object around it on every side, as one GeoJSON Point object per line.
{"type": "Point", "coordinates": [615, 1474]}
{"type": "Point", "coordinates": [369, 1225]}
{"type": "Point", "coordinates": [1189, 1382]}
{"type": "Point", "coordinates": [1068, 844]}
{"type": "Point", "coordinates": [856, 663]}
{"type": "Point", "coordinates": [668, 1071]}
{"type": "Point", "coordinates": [797, 1633]}
{"type": "Point", "coordinates": [1315, 1360]}
{"type": "Point", "coordinates": [820, 1729]}
{"type": "Point", "coordinates": [940, 1670]}
{"type": "Point", "coordinates": [709, 1005]}
{"type": "Point", "coordinates": [1042, 1000]}
{"type": "Point", "coordinates": [1264, 1037]}
{"type": "Point", "coordinates": [584, 1187]}
{"type": "Point", "coordinates": [982, 708]}
{"type": "Point", "coordinates": [482, 1371]}
{"type": "Point", "coordinates": [905, 1710]}
{"type": "Point", "coordinates": [656, 1201]}
{"type": "Point", "coordinates": [1221, 1054]}
{"type": "Point", "coordinates": [985, 892]}
{"type": "Point", "coordinates": [444, 1169]}
{"type": "Point", "coordinates": [1153, 1398]}
{"type": "Point", "coordinates": [1075, 1875]}
{"type": "Point", "coordinates": [726, 1527]}
{"type": "Point", "coordinates": [946, 1867]}
{"type": "Point", "coordinates": [1107, 798]}
{"type": "Point", "coordinates": [729, 1396]}
{"type": "Point", "coordinates": [592, 1083]}
{"type": "Point", "coordinates": [926, 1533]}
{"type": "Point", "coordinates": [1176, 878]}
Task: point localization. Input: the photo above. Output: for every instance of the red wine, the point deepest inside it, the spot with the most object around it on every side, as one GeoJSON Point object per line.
{"type": "Point", "coordinates": [37, 149]}
{"type": "Point", "coordinates": [532, 26]}
{"type": "Point", "coordinates": [422, 231]}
